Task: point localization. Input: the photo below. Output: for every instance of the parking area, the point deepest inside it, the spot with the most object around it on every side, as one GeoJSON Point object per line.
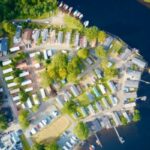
{"type": "Point", "coordinates": [52, 131]}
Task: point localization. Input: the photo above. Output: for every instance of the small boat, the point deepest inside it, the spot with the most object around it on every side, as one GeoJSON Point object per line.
{"type": "Point", "coordinates": [81, 16]}
{"type": "Point", "coordinates": [61, 4]}
{"type": "Point", "coordinates": [75, 13]}
{"type": "Point", "coordinates": [66, 6]}
{"type": "Point", "coordinates": [92, 147]}
{"type": "Point", "coordinates": [70, 9]}
{"type": "Point", "coordinates": [86, 23]}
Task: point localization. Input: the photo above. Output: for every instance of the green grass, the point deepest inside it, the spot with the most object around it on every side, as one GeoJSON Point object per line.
{"type": "Point", "coordinates": [147, 1]}
{"type": "Point", "coordinates": [25, 143]}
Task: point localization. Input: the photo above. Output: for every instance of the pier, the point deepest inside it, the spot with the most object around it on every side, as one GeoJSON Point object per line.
{"type": "Point", "coordinates": [119, 137]}
{"type": "Point", "coordinates": [145, 81]}
{"type": "Point", "coordinates": [98, 140]}
{"type": "Point", "coordinates": [142, 98]}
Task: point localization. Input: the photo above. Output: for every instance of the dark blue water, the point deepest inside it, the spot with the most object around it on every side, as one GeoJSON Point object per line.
{"type": "Point", "coordinates": [129, 20]}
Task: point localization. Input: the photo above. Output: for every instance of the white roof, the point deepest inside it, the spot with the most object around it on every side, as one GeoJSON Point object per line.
{"type": "Point", "coordinates": [129, 105]}
{"type": "Point", "coordinates": [91, 109]}
{"type": "Point", "coordinates": [76, 42]}
{"type": "Point", "coordinates": [112, 86]}
{"type": "Point", "coordinates": [98, 106]}
{"type": "Point", "coordinates": [116, 119]}
{"type": "Point", "coordinates": [29, 89]}
{"type": "Point", "coordinates": [45, 55]}
{"type": "Point", "coordinates": [67, 38]}
{"type": "Point", "coordinates": [11, 84]}
{"type": "Point", "coordinates": [126, 116]}
{"type": "Point", "coordinates": [16, 98]}
{"type": "Point", "coordinates": [14, 91]}
{"type": "Point", "coordinates": [29, 103]}
{"type": "Point", "coordinates": [14, 49]}
{"type": "Point", "coordinates": [37, 65]}
{"type": "Point", "coordinates": [114, 100]}
{"type": "Point", "coordinates": [98, 72]}
{"type": "Point", "coordinates": [35, 99]}
{"type": "Point", "coordinates": [127, 52]}
{"type": "Point", "coordinates": [23, 74]}
{"type": "Point", "coordinates": [102, 88]}
{"type": "Point", "coordinates": [7, 70]}
{"type": "Point", "coordinates": [9, 78]}
{"type": "Point", "coordinates": [33, 54]}
{"type": "Point", "coordinates": [43, 95]}
{"type": "Point", "coordinates": [26, 82]}
{"type": "Point", "coordinates": [74, 90]}
{"type": "Point", "coordinates": [130, 95]}
{"type": "Point", "coordinates": [132, 83]}
{"type": "Point", "coordinates": [7, 62]}
{"type": "Point", "coordinates": [60, 100]}
{"type": "Point", "coordinates": [139, 62]}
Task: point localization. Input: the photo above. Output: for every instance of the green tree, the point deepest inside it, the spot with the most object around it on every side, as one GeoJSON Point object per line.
{"type": "Point", "coordinates": [52, 72]}
{"type": "Point", "coordinates": [39, 58]}
{"type": "Point", "coordinates": [23, 96]}
{"type": "Point", "coordinates": [83, 53]}
{"type": "Point", "coordinates": [123, 120]}
{"type": "Point", "coordinates": [3, 122]}
{"type": "Point", "coordinates": [62, 73]}
{"type": "Point", "coordinates": [136, 115]}
{"type": "Point", "coordinates": [111, 72]}
{"type": "Point", "coordinates": [101, 36]}
{"type": "Point", "coordinates": [38, 146]}
{"type": "Point", "coordinates": [70, 107]}
{"type": "Point", "coordinates": [23, 118]}
{"type": "Point", "coordinates": [52, 146]}
{"type": "Point", "coordinates": [91, 33]}
{"type": "Point", "coordinates": [101, 52]}
{"type": "Point", "coordinates": [81, 131]}
{"type": "Point", "coordinates": [8, 27]}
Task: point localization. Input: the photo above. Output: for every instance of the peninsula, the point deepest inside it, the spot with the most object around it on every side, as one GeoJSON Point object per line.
{"type": "Point", "coordinates": [62, 80]}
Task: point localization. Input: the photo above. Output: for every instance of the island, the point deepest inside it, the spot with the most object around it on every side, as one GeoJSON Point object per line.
{"type": "Point", "coordinates": [62, 80]}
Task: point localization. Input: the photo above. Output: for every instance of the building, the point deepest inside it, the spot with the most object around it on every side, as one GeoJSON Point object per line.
{"type": "Point", "coordinates": [98, 106]}
{"type": "Point", "coordinates": [127, 52]}
{"type": "Point", "coordinates": [98, 73]}
{"type": "Point", "coordinates": [126, 116]}
{"type": "Point", "coordinates": [130, 95]}
{"type": "Point", "coordinates": [140, 63]}
{"type": "Point", "coordinates": [102, 88]}
{"type": "Point", "coordinates": [35, 35]}
{"type": "Point", "coordinates": [14, 49]}
{"type": "Point", "coordinates": [114, 100]}
{"type": "Point", "coordinates": [60, 101]}
{"type": "Point", "coordinates": [17, 37]}
{"type": "Point", "coordinates": [134, 75]}
{"type": "Point", "coordinates": [68, 38]}
{"type": "Point", "coordinates": [76, 40]}
{"type": "Point", "coordinates": [44, 34]}
{"type": "Point", "coordinates": [27, 37]}
{"type": "Point", "coordinates": [95, 125]}
{"type": "Point", "coordinates": [60, 37]}
{"type": "Point", "coordinates": [131, 83]}
{"type": "Point", "coordinates": [112, 86]}
{"type": "Point", "coordinates": [116, 119]}
{"type": "Point", "coordinates": [7, 62]}
{"type": "Point", "coordinates": [74, 90]}
{"type": "Point", "coordinates": [90, 96]}
{"type": "Point", "coordinates": [91, 109]}
{"type": "Point", "coordinates": [10, 141]}
{"type": "Point", "coordinates": [96, 92]}
{"type": "Point", "coordinates": [3, 46]}
{"type": "Point", "coordinates": [130, 105]}
{"type": "Point", "coordinates": [108, 42]}
{"type": "Point", "coordinates": [83, 111]}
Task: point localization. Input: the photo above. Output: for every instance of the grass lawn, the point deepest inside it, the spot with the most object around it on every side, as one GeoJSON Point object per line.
{"type": "Point", "coordinates": [148, 1]}
{"type": "Point", "coordinates": [25, 143]}
{"type": "Point", "coordinates": [52, 131]}
{"type": "Point", "coordinates": [83, 99]}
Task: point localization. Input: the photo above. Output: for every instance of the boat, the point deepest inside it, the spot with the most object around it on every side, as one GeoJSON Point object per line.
{"type": "Point", "coordinates": [61, 4]}
{"type": "Point", "coordinates": [70, 9]}
{"type": "Point", "coordinates": [75, 13]}
{"type": "Point", "coordinates": [86, 23]}
{"type": "Point", "coordinates": [81, 16]}
{"type": "Point", "coordinates": [91, 147]}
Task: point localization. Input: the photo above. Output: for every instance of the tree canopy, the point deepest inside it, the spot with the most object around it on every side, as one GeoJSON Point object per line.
{"type": "Point", "coordinates": [23, 118]}
{"type": "Point", "coordinates": [136, 115]}
{"type": "Point", "coordinates": [52, 146]}
{"type": "Point", "coordinates": [101, 36]}
{"type": "Point", "coordinates": [83, 53]}
{"type": "Point", "coordinates": [91, 33]}
{"type": "Point", "coordinates": [3, 122]}
{"type": "Point", "coordinates": [70, 107]}
{"type": "Point", "coordinates": [81, 131]}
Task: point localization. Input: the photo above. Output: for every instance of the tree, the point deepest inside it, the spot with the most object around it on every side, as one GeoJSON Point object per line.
{"type": "Point", "coordinates": [23, 96]}
{"type": "Point", "coordinates": [123, 120]}
{"type": "Point", "coordinates": [62, 73]}
{"type": "Point", "coordinates": [39, 58]}
{"type": "Point", "coordinates": [23, 118]}
{"type": "Point", "coordinates": [3, 122]}
{"type": "Point", "coordinates": [52, 146]}
{"type": "Point", "coordinates": [72, 77]}
{"type": "Point", "coordinates": [136, 115]}
{"type": "Point", "coordinates": [19, 80]}
{"type": "Point", "coordinates": [52, 72]}
{"type": "Point", "coordinates": [101, 52]}
{"type": "Point", "coordinates": [83, 53]}
{"type": "Point", "coordinates": [70, 107]}
{"type": "Point", "coordinates": [110, 72]}
{"type": "Point", "coordinates": [38, 146]}
{"type": "Point", "coordinates": [81, 131]}
{"type": "Point", "coordinates": [91, 33]}
{"type": "Point", "coordinates": [101, 36]}
{"type": "Point", "coordinates": [8, 27]}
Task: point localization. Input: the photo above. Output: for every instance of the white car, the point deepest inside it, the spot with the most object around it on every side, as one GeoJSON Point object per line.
{"type": "Point", "coordinates": [33, 131]}
{"type": "Point", "coordinates": [55, 113]}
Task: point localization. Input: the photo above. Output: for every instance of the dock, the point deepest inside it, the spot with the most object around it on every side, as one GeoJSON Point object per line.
{"type": "Point", "coordinates": [98, 140]}
{"type": "Point", "coordinates": [119, 137]}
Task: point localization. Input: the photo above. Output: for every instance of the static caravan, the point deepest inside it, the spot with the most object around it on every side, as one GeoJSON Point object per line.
{"type": "Point", "coordinates": [7, 62]}
{"type": "Point", "coordinates": [74, 90]}
{"type": "Point", "coordinates": [11, 84]}
{"type": "Point", "coordinates": [9, 78]}
{"type": "Point", "coordinates": [43, 95]}
{"type": "Point", "coordinates": [114, 100]}
{"type": "Point", "coordinates": [29, 103]}
{"type": "Point", "coordinates": [14, 49]}
{"type": "Point", "coordinates": [116, 119]}
{"type": "Point", "coordinates": [104, 101]}
{"type": "Point", "coordinates": [29, 89]}
{"type": "Point", "coordinates": [91, 109]}
{"type": "Point", "coordinates": [102, 88]}
{"type": "Point", "coordinates": [16, 98]}
{"type": "Point", "coordinates": [35, 99]}
{"type": "Point", "coordinates": [7, 70]}
{"type": "Point", "coordinates": [23, 74]}
{"type": "Point", "coordinates": [96, 92]}
{"type": "Point", "coordinates": [98, 73]}
{"type": "Point", "coordinates": [60, 101]}
{"type": "Point", "coordinates": [26, 82]}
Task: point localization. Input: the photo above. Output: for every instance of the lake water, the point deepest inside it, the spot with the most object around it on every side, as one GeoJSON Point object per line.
{"type": "Point", "coordinates": [130, 20]}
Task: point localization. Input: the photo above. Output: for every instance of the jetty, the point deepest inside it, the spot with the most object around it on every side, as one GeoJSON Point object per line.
{"type": "Point", "coordinates": [98, 140]}
{"type": "Point", "coordinates": [119, 137]}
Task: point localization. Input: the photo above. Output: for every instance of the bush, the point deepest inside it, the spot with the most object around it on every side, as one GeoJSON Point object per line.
{"type": "Point", "coordinates": [83, 53]}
